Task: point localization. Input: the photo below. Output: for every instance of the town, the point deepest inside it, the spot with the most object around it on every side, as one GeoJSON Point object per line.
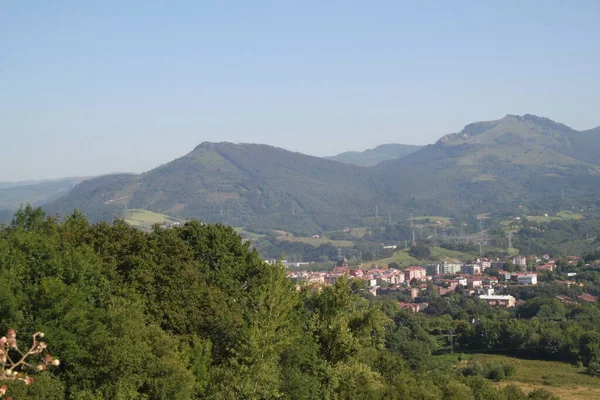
{"type": "Point", "coordinates": [484, 278]}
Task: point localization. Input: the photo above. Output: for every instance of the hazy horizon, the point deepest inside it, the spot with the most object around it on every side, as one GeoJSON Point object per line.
{"type": "Point", "coordinates": [86, 89]}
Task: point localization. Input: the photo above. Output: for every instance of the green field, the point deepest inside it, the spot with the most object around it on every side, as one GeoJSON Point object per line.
{"type": "Point", "coordinates": [404, 259]}
{"type": "Point", "coordinates": [561, 215]}
{"type": "Point", "coordinates": [252, 236]}
{"type": "Point", "coordinates": [144, 219]}
{"type": "Point", "coordinates": [433, 218]}
{"type": "Point", "coordinates": [566, 381]}
{"type": "Point", "coordinates": [290, 237]}
{"type": "Point", "coordinates": [358, 232]}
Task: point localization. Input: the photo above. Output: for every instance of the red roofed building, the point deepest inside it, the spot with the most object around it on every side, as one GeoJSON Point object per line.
{"type": "Point", "coordinates": [341, 270]}
{"type": "Point", "coordinates": [545, 267]}
{"type": "Point", "coordinates": [587, 298]}
{"type": "Point", "coordinates": [357, 273]}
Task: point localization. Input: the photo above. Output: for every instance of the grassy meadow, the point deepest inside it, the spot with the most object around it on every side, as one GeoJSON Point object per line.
{"type": "Point", "coordinates": [567, 381]}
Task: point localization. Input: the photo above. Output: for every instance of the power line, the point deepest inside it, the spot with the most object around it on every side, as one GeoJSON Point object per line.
{"type": "Point", "coordinates": [451, 336]}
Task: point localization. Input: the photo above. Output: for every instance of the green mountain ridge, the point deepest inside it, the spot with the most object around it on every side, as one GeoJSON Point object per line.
{"type": "Point", "coordinates": [376, 155]}
{"type": "Point", "coordinates": [516, 160]}
{"type": "Point", "coordinates": [238, 184]}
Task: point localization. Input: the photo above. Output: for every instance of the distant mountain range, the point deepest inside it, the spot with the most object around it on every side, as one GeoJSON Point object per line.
{"type": "Point", "coordinates": [517, 160]}
{"type": "Point", "coordinates": [13, 194]}
{"type": "Point", "coordinates": [36, 193]}
{"type": "Point", "coordinates": [376, 155]}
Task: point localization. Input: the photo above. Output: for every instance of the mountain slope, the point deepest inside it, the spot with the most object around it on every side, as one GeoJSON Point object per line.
{"type": "Point", "coordinates": [13, 194]}
{"type": "Point", "coordinates": [517, 160]}
{"type": "Point", "coordinates": [376, 155]}
{"type": "Point", "coordinates": [238, 184]}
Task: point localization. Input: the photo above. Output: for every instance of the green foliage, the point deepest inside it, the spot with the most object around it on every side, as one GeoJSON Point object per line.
{"type": "Point", "coordinates": [541, 394]}
{"type": "Point", "coordinates": [193, 312]}
{"type": "Point", "coordinates": [421, 252]}
{"type": "Point", "coordinates": [594, 369]}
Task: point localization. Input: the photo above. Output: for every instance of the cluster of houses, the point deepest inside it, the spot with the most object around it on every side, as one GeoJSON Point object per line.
{"type": "Point", "coordinates": [444, 277]}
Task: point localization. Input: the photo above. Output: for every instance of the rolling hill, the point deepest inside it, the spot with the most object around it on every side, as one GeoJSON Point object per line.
{"type": "Point", "coordinates": [515, 160]}
{"type": "Point", "coordinates": [489, 165]}
{"type": "Point", "coordinates": [376, 155]}
{"type": "Point", "coordinates": [245, 184]}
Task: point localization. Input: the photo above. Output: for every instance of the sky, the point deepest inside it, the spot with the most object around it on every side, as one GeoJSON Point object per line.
{"type": "Point", "coordinates": [95, 87]}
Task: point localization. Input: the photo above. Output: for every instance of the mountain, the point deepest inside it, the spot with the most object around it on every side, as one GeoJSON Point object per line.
{"type": "Point", "coordinates": [13, 194]}
{"type": "Point", "coordinates": [517, 160]}
{"type": "Point", "coordinates": [240, 184]}
{"type": "Point", "coordinates": [374, 156]}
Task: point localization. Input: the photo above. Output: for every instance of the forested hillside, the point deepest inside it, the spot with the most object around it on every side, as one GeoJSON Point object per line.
{"type": "Point", "coordinates": [192, 312]}
{"type": "Point", "coordinates": [489, 166]}
{"type": "Point", "coordinates": [237, 184]}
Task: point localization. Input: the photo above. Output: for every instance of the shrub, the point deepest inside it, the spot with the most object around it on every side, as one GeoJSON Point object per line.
{"type": "Point", "coordinates": [594, 369]}
{"type": "Point", "coordinates": [473, 368]}
{"type": "Point", "coordinates": [496, 373]}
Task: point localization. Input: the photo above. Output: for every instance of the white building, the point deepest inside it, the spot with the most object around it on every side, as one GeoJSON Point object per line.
{"type": "Point", "coordinates": [450, 268]}
{"type": "Point", "coordinates": [530, 279]}
{"type": "Point", "coordinates": [506, 301]}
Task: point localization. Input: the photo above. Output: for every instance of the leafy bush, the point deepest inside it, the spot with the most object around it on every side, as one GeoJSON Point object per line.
{"type": "Point", "coordinates": [473, 368]}
{"type": "Point", "coordinates": [594, 369]}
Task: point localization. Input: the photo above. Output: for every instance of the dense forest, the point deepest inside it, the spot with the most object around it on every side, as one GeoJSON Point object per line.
{"type": "Point", "coordinates": [193, 312]}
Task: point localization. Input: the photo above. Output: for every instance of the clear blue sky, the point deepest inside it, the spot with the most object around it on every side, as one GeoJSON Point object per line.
{"type": "Point", "coordinates": [95, 87]}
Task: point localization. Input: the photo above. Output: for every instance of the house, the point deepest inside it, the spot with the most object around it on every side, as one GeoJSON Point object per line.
{"type": "Point", "coordinates": [489, 291]}
{"type": "Point", "coordinates": [520, 260]}
{"type": "Point", "coordinates": [504, 301]}
{"type": "Point", "coordinates": [416, 292]}
{"type": "Point", "coordinates": [565, 299]}
{"type": "Point", "coordinates": [527, 279]}
{"type": "Point", "coordinates": [545, 267]}
{"type": "Point", "coordinates": [471, 269]}
{"type": "Point", "coordinates": [490, 280]}
{"type": "Point", "coordinates": [461, 281]}
{"type": "Point", "coordinates": [483, 263]}
{"type": "Point", "coordinates": [450, 267]}
{"type": "Point", "coordinates": [397, 277]}
{"type": "Point", "coordinates": [504, 275]}
{"type": "Point", "coordinates": [341, 270]}
{"type": "Point", "coordinates": [498, 265]}
{"type": "Point", "coordinates": [414, 307]}
{"type": "Point", "coordinates": [433, 269]}
{"type": "Point", "coordinates": [474, 282]}
{"type": "Point", "coordinates": [587, 298]}
{"type": "Point", "coordinates": [411, 273]}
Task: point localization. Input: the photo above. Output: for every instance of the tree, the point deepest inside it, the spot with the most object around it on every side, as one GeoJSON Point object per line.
{"type": "Point", "coordinates": [420, 251]}
{"type": "Point", "coordinates": [344, 323]}
{"type": "Point", "coordinates": [541, 394]}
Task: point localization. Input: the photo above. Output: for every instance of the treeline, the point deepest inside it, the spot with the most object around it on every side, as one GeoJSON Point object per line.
{"type": "Point", "coordinates": [193, 313]}
{"type": "Point", "coordinates": [541, 327]}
